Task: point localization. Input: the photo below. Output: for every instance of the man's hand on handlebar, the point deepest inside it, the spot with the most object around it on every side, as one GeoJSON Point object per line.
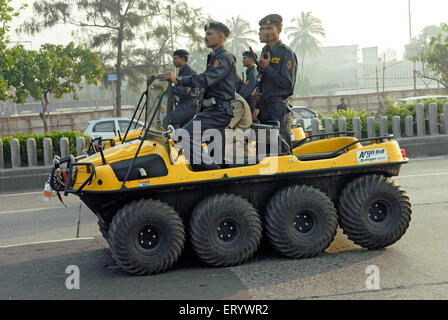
{"type": "Point", "coordinates": [171, 76]}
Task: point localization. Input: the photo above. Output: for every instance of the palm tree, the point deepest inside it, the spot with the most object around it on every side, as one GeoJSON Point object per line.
{"type": "Point", "coordinates": [241, 37]}
{"type": "Point", "coordinates": [304, 37]}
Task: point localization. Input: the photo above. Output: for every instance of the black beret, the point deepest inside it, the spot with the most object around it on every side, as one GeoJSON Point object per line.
{"type": "Point", "coordinates": [272, 19]}
{"type": "Point", "coordinates": [181, 53]}
{"type": "Point", "coordinates": [250, 54]}
{"type": "Point", "coordinates": [218, 26]}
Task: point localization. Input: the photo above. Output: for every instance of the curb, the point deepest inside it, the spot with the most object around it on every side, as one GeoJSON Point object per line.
{"type": "Point", "coordinates": [23, 179]}
{"type": "Point", "coordinates": [34, 178]}
{"type": "Point", "coordinates": [428, 146]}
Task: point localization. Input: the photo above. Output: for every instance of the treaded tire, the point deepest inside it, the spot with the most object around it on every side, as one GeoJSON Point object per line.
{"type": "Point", "coordinates": [130, 227]}
{"type": "Point", "coordinates": [217, 217]}
{"type": "Point", "coordinates": [374, 212]}
{"type": "Point", "coordinates": [300, 222]}
{"type": "Point", "coordinates": [104, 228]}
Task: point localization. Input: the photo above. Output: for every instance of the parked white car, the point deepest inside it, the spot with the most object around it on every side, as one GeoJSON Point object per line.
{"type": "Point", "coordinates": [418, 99]}
{"type": "Point", "coordinates": [305, 113]}
{"type": "Point", "coordinates": [109, 127]}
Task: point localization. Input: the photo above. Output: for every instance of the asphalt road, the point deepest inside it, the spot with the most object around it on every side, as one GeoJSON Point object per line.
{"type": "Point", "coordinates": [38, 241]}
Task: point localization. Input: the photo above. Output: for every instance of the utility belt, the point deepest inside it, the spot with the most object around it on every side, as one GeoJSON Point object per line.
{"type": "Point", "coordinates": [223, 104]}
{"type": "Point", "coordinates": [271, 100]}
{"type": "Point", "coordinates": [209, 102]}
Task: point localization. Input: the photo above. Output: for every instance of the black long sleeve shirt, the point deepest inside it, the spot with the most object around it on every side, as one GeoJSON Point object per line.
{"type": "Point", "coordinates": [219, 79]}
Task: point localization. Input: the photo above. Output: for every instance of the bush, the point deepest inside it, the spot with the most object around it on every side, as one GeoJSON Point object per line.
{"type": "Point", "coordinates": [348, 114]}
{"type": "Point", "coordinates": [54, 136]}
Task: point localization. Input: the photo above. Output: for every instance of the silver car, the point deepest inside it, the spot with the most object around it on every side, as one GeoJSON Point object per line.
{"type": "Point", "coordinates": [109, 127]}
{"type": "Point", "coordinates": [305, 113]}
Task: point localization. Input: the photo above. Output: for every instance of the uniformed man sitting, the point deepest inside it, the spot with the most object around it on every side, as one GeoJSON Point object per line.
{"type": "Point", "coordinates": [279, 71]}
{"type": "Point", "coordinates": [219, 81]}
{"type": "Point", "coordinates": [186, 106]}
{"type": "Point", "coordinates": [248, 86]}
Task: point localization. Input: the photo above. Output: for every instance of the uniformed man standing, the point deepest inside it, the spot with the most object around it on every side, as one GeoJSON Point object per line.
{"type": "Point", "coordinates": [279, 71]}
{"type": "Point", "coordinates": [248, 86]}
{"type": "Point", "coordinates": [219, 81]}
{"type": "Point", "coordinates": [186, 102]}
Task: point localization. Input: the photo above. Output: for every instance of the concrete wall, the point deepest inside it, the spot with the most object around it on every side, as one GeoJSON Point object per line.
{"type": "Point", "coordinates": [367, 101]}
{"type": "Point", "coordinates": [33, 124]}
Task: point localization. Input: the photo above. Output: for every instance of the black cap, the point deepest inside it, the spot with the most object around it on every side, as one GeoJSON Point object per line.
{"type": "Point", "coordinates": [250, 54]}
{"type": "Point", "coordinates": [272, 19]}
{"type": "Point", "coordinates": [218, 26]}
{"type": "Point", "coordinates": [181, 53]}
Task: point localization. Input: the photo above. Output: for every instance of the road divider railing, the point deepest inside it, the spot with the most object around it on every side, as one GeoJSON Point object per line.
{"type": "Point", "coordinates": [426, 125]}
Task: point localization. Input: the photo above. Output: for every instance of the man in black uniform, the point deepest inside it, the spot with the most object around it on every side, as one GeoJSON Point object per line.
{"type": "Point", "coordinates": [248, 86]}
{"type": "Point", "coordinates": [219, 81]}
{"type": "Point", "coordinates": [279, 71]}
{"type": "Point", "coordinates": [186, 102]}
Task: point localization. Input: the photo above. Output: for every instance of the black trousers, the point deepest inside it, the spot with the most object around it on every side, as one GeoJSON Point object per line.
{"type": "Point", "coordinates": [276, 110]}
{"type": "Point", "coordinates": [183, 113]}
{"type": "Point", "coordinates": [214, 117]}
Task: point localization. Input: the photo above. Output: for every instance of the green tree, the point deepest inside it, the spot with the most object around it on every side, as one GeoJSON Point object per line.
{"type": "Point", "coordinates": [6, 15]}
{"type": "Point", "coordinates": [240, 39]}
{"type": "Point", "coordinates": [304, 35]}
{"type": "Point", "coordinates": [53, 71]}
{"type": "Point", "coordinates": [434, 57]}
{"type": "Point", "coordinates": [420, 43]}
{"type": "Point", "coordinates": [109, 26]}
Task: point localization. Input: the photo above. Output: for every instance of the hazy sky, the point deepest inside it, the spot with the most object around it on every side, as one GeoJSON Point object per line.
{"type": "Point", "coordinates": [382, 23]}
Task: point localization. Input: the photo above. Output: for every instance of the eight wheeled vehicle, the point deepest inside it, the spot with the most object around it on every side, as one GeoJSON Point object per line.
{"type": "Point", "coordinates": [149, 201]}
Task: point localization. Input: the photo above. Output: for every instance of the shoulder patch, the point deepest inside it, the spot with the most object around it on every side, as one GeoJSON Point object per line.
{"type": "Point", "coordinates": [216, 64]}
{"type": "Point", "coordinates": [289, 65]}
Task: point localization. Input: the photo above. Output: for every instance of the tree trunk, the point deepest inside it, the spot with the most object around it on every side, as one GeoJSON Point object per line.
{"type": "Point", "coordinates": [42, 115]}
{"type": "Point", "coordinates": [119, 77]}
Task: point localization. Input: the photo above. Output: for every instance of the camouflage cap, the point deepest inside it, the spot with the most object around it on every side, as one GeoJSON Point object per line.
{"type": "Point", "coordinates": [218, 26]}
{"type": "Point", "coordinates": [272, 19]}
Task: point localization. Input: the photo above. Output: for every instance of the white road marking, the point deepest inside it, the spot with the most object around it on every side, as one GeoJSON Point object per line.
{"type": "Point", "coordinates": [43, 242]}
{"type": "Point", "coordinates": [423, 175]}
{"type": "Point", "coordinates": [3, 213]}
{"type": "Point", "coordinates": [21, 194]}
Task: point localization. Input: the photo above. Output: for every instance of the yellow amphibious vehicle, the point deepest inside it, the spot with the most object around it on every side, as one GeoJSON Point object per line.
{"type": "Point", "coordinates": [149, 201]}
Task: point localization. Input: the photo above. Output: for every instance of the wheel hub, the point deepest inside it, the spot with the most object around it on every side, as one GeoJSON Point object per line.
{"type": "Point", "coordinates": [226, 231]}
{"type": "Point", "coordinates": [148, 237]}
{"type": "Point", "coordinates": [304, 222]}
{"type": "Point", "coordinates": [378, 212]}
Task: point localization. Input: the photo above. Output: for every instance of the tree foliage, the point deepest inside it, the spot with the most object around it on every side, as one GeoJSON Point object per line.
{"type": "Point", "coordinates": [240, 39]}
{"type": "Point", "coordinates": [304, 35]}
{"type": "Point", "coordinates": [53, 71]}
{"type": "Point", "coordinates": [111, 27]}
{"type": "Point", "coordinates": [434, 58]}
{"type": "Point", "coordinates": [6, 15]}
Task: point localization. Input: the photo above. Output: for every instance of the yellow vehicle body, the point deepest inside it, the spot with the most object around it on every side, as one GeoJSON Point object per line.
{"type": "Point", "coordinates": [180, 171]}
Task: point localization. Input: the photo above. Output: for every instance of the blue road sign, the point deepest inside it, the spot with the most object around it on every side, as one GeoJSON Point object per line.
{"type": "Point", "coordinates": [112, 77]}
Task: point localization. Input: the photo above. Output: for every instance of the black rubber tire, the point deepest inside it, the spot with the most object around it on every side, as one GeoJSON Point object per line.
{"type": "Point", "coordinates": [212, 213]}
{"type": "Point", "coordinates": [126, 231]}
{"type": "Point", "coordinates": [289, 210]}
{"type": "Point", "coordinates": [104, 228]}
{"type": "Point", "coordinates": [364, 200]}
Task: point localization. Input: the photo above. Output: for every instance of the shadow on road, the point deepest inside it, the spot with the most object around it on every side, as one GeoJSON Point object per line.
{"type": "Point", "coordinates": [39, 272]}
